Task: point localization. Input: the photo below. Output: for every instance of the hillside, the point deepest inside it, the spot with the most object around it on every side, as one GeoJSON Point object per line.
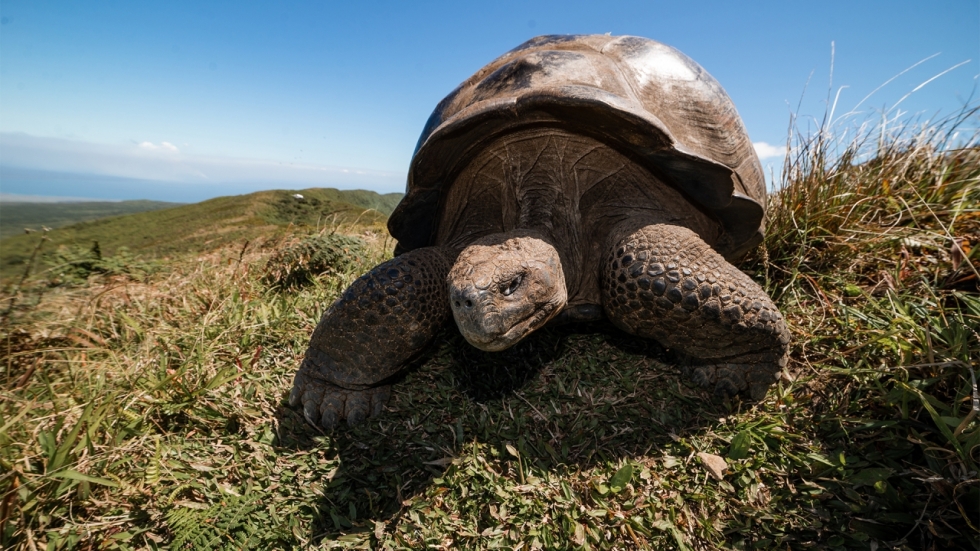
{"type": "Point", "coordinates": [358, 197]}
{"type": "Point", "coordinates": [207, 225]}
{"type": "Point", "coordinates": [17, 215]}
{"type": "Point", "coordinates": [152, 412]}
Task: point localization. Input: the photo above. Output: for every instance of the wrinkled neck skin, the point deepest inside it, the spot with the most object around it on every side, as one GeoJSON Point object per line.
{"type": "Point", "coordinates": [546, 209]}
{"type": "Point", "coordinates": [504, 286]}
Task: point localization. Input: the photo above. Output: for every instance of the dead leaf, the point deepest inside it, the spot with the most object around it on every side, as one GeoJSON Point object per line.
{"type": "Point", "coordinates": [579, 537]}
{"type": "Point", "coordinates": [714, 464]}
{"type": "Point", "coordinates": [959, 251]}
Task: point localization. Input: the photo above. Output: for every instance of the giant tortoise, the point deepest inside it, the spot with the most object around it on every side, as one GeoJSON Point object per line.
{"type": "Point", "coordinates": [573, 178]}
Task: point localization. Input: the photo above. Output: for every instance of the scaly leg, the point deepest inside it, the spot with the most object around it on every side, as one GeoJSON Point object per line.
{"type": "Point", "coordinates": [382, 321]}
{"type": "Point", "coordinates": [663, 282]}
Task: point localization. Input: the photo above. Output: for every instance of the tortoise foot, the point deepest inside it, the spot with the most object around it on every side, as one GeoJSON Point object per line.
{"type": "Point", "coordinates": [326, 404]}
{"type": "Point", "coordinates": [750, 375]}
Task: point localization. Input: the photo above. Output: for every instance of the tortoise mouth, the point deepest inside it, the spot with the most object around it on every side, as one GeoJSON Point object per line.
{"type": "Point", "coordinates": [517, 332]}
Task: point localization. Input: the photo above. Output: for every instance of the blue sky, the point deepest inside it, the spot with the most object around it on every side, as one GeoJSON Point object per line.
{"type": "Point", "coordinates": [188, 100]}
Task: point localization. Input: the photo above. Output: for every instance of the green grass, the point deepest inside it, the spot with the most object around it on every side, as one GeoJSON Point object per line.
{"type": "Point", "coordinates": [151, 413]}
{"type": "Point", "coordinates": [383, 203]}
{"type": "Point", "coordinates": [15, 217]}
{"type": "Point", "coordinates": [207, 225]}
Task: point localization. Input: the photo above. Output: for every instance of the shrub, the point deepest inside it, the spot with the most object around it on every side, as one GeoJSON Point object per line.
{"type": "Point", "coordinates": [299, 263]}
{"type": "Point", "coordinates": [73, 264]}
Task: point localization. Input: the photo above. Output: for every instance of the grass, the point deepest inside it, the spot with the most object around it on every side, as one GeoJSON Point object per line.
{"type": "Point", "coordinates": [16, 216]}
{"type": "Point", "coordinates": [150, 413]}
{"type": "Point", "coordinates": [208, 225]}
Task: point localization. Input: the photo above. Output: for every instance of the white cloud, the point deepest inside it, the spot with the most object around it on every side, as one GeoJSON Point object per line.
{"type": "Point", "coordinates": [161, 162]}
{"type": "Point", "coordinates": [766, 151]}
{"type": "Point", "coordinates": [166, 146]}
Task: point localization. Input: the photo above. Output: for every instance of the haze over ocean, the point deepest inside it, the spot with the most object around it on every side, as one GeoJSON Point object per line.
{"type": "Point", "coordinates": [182, 101]}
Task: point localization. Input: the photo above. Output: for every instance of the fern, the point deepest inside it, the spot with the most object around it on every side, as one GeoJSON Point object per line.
{"type": "Point", "coordinates": [152, 472]}
{"type": "Point", "coordinates": [298, 264]}
{"type": "Point", "coordinates": [73, 265]}
{"type": "Point", "coordinates": [222, 525]}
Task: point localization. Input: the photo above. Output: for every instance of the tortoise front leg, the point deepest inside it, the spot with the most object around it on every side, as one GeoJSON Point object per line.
{"type": "Point", "coordinates": [383, 320]}
{"type": "Point", "coordinates": [663, 282]}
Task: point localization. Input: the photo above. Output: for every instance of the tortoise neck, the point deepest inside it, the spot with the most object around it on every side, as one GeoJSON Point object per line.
{"type": "Point", "coordinates": [540, 210]}
{"type": "Point", "coordinates": [544, 215]}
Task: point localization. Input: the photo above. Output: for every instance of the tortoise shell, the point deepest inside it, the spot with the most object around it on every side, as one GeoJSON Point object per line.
{"type": "Point", "coordinates": [643, 98]}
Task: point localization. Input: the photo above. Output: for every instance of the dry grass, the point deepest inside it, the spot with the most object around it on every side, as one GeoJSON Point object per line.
{"type": "Point", "coordinates": [150, 414]}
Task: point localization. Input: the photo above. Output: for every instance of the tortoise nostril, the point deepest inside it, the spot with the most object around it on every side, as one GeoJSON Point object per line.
{"type": "Point", "coordinates": [464, 299]}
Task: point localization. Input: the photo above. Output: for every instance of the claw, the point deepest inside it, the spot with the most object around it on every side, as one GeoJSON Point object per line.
{"type": "Point", "coordinates": [329, 419]}
{"type": "Point", "coordinates": [325, 405]}
{"type": "Point", "coordinates": [378, 400]}
{"type": "Point", "coordinates": [334, 401]}
{"type": "Point", "coordinates": [309, 412]}
{"type": "Point", "coordinates": [357, 408]}
{"type": "Point", "coordinates": [703, 376]}
{"type": "Point", "coordinates": [356, 416]}
{"type": "Point", "coordinates": [727, 380]}
{"type": "Point", "coordinates": [725, 389]}
{"type": "Point", "coordinates": [758, 391]}
{"type": "Point", "coordinates": [294, 396]}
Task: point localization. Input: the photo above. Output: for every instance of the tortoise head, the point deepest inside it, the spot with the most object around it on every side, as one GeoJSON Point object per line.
{"type": "Point", "coordinates": [504, 286]}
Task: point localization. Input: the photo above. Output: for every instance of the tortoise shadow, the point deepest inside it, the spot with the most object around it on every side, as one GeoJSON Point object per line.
{"type": "Point", "coordinates": [601, 396]}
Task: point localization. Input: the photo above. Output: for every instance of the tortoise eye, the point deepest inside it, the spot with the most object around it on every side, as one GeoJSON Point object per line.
{"type": "Point", "coordinates": [512, 286]}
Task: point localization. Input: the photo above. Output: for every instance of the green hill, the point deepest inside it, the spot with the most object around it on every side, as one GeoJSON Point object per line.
{"type": "Point", "coordinates": [17, 215]}
{"type": "Point", "coordinates": [208, 224]}
{"type": "Point", "coordinates": [358, 197]}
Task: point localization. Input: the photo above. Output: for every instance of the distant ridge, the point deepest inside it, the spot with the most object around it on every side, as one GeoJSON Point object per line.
{"type": "Point", "coordinates": [383, 203]}
{"type": "Point", "coordinates": [19, 198]}
{"type": "Point", "coordinates": [15, 216]}
{"type": "Point", "coordinates": [163, 229]}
